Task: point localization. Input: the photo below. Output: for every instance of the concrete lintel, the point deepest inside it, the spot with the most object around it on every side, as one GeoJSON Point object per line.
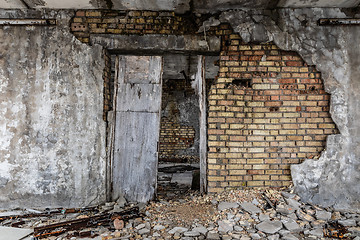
{"type": "Point", "coordinates": [157, 43]}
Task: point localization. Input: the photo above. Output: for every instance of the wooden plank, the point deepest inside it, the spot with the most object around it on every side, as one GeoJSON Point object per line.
{"type": "Point", "coordinates": [138, 97]}
{"type": "Point", "coordinates": [110, 153]}
{"type": "Point", "coordinates": [201, 91]}
{"type": "Point", "coordinates": [137, 126]}
{"type": "Point", "coordinates": [135, 167]}
{"type": "Point", "coordinates": [140, 69]}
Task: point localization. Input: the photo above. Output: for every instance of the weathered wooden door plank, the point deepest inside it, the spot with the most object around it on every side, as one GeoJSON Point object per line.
{"type": "Point", "coordinates": [200, 86]}
{"type": "Point", "coordinates": [136, 155]}
{"type": "Point", "coordinates": [138, 106]}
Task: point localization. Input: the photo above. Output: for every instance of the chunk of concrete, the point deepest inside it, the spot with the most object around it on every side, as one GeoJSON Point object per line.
{"type": "Point", "coordinates": [226, 205]}
{"type": "Point", "coordinates": [225, 226]}
{"type": "Point", "coordinates": [269, 227]}
{"type": "Point", "coordinates": [323, 215]}
{"type": "Point", "coordinates": [178, 230]}
{"type": "Point", "coordinates": [251, 208]}
{"type": "Point", "coordinates": [291, 225]}
{"type": "Point", "coordinates": [10, 233]}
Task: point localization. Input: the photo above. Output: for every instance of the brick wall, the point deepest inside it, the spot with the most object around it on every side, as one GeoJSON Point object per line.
{"type": "Point", "coordinates": [176, 137]}
{"type": "Point", "coordinates": [173, 138]}
{"type": "Point", "coordinates": [267, 110]}
{"type": "Point", "coordinates": [129, 22]}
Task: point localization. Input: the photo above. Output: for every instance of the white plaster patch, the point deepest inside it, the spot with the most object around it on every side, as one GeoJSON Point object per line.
{"type": "Point", "coordinates": [6, 168]}
{"type": "Point", "coordinates": [5, 137]}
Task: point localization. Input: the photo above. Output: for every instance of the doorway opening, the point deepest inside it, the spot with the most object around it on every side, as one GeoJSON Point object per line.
{"type": "Point", "coordinates": [157, 129]}
{"type": "Point", "coordinates": [179, 161]}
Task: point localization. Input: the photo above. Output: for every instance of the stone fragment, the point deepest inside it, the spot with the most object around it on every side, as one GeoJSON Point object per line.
{"type": "Point", "coordinates": [121, 202]}
{"type": "Point", "coordinates": [187, 238]}
{"type": "Point", "coordinates": [348, 222]}
{"type": "Point", "coordinates": [284, 232]}
{"type": "Point", "coordinates": [191, 233]}
{"type": "Point", "coordinates": [236, 236]}
{"type": "Point", "coordinates": [238, 228]}
{"type": "Point", "coordinates": [269, 227]}
{"type": "Point", "coordinates": [245, 238]}
{"type": "Point", "coordinates": [144, 231]}
{"type": "Point", "coordinates": [289, 236]}
{"type": "Point", "coordinates": [140, 226]}
{"type": "Point", "coordinates": [355, 231]}
{"type": "Point", "coordinates": [249, 207]}
{"type": "Point", "coordinates": [244, 224]}
{"type": "Point", "coordinates": [147, 225]}
{"type": "Point", "coordinates": [255, 202]}
{"type": "Point", "coordinates": [177, 230]}
{"type": "Point", "coordinates": [230, 216]}
{"type": "Point", "coordinates": [226, 237]}
{"type": "Point", "coordinates": [264, 217]}
{"type": "Point", "coordinates": [292, 216]}
{"type": "Point", "coordinates": [287, 195]}
{"type": "Point", "coordinates": [318, 232]}
{"type": "Point", "coordinates": [225, 226]}
{"type": "Point", "coordinates": [255, 236]}
{"type": "Point", "coordinates": [156, 234]}
{"type": "Point", "coordinates": [291, 225]}
{"type": "Point", "coordinates": [14, 233]}
{"type": "Point", "coordinates": [158, 227]}
{"type": "Point", "coordinates": [285, 209]}
{"type": "Point", "coordinates": [273, 237]}
{"type": "Point", "coordinates": [117, 208]}
{"type": "Point", "coordinates": [323, 215]}
{"type": "Point", "coordinates": [226, 205]}
{"type": "Point", "coordinates": [200, 229]}
{"type": "Point", "coordinates": [212, 236]}
{"type": "Point", "coordinates": [118, 224]}
{"type": "Point", "coordinates": [293, 203]}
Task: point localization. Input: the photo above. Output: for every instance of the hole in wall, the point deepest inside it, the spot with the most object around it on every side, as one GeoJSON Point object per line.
{"type": "Point", "coordinates": [179, 167]}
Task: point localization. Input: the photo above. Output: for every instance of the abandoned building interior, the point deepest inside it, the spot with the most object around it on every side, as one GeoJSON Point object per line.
{"type": "Point", "coordinates": [146, 99]}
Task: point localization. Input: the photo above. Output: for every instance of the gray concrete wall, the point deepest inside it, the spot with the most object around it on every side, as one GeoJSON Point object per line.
{"type": "Point", "coordinates": [332, 180]}
{"type": "Point", "coordinates": [52, 136]}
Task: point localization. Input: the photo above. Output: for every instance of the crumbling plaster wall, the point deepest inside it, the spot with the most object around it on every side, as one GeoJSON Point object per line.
{"type": "Point", "coordinates": [332, 180]}
{"type": "Point", "coordinates": [52, 136]}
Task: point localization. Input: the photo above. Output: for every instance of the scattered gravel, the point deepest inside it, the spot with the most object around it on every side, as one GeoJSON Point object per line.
{"type": "Point", "coordinates": [238, 214]}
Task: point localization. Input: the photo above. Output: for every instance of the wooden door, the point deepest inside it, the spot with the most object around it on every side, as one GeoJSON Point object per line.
{"type": "Point", "coordinates": [138, 106]}
{"type": "Point", "coordinates": [200, 89]}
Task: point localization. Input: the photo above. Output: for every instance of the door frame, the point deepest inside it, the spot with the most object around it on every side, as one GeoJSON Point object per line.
{"type": "Point", "coordinates": [200, 83]}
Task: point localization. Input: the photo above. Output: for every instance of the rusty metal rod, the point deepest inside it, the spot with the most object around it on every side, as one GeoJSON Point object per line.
{"type": "Point", "coordinates": [77, 224]}
{"type": "Point", "coordinates": [49, 213]}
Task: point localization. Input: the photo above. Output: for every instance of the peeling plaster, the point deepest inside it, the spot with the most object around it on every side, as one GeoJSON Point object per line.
{"type": "Point", "coordinates": [333, 179]}
{"type": "Point", "coordinates": [52, 136]}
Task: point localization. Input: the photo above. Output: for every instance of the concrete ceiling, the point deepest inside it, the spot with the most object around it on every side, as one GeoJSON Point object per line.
{"type": "Point", "coordinates": [174, 5]}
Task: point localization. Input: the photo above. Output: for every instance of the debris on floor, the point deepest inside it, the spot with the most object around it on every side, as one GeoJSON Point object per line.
{"type": "Point", "coordinates": [238, 214]}
{"type": "Point", "coordinates": [12, 233]}
{"type": "Point", "coordinates": [176, 180]}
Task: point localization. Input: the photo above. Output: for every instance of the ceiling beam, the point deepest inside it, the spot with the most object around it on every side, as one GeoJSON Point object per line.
{"type": "Point", "coordinates": [21, 22]}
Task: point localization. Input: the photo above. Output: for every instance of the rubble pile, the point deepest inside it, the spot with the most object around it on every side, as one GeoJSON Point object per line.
{"type": "Point", "coordinates": [237, 214]}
